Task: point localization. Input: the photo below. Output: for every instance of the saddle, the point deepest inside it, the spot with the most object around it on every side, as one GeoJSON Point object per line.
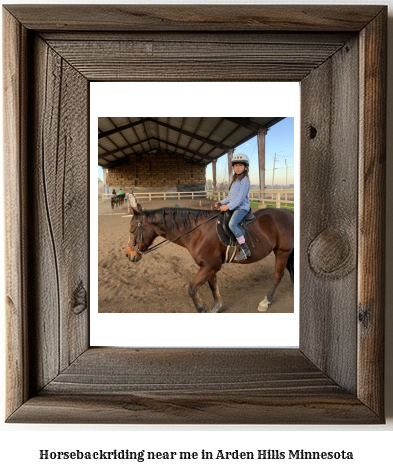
{"type": "Point", "coordinates": [225, 234]}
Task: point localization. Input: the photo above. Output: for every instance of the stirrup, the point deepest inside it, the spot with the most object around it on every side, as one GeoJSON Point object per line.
{"type": "Point", "coordinates": [241, 255]}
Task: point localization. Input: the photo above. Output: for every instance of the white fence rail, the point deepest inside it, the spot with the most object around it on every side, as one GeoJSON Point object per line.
{"type": "Point", "coordinates": [164, 195]}
{"type": "Point", "coordinates": [267, 197]}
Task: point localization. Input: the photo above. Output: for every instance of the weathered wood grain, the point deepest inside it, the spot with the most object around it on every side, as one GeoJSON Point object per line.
{"type": "Point", "coordinates": [371, 231]}
{"type": "Point", "coordinates": [239, 409]}
{"type": "Point", "coordinates": [193, 386]}
{"type": "Point", "coordinates": [226, 37]}
{"type": "Point", "coordinates": [185, 59]}
{"type": "Point", "coordinates": [59, 177]}
{"type": "Point", "coordinates": [329, 193]}
{"type": "Point", "coordinates": [195, 17]}
{"type": "Point", "coordinates": [16, 230]}
{"type": "Point", "coordinates": [191, 370]}
{"type": "Point", "coordinates": [336, 375]}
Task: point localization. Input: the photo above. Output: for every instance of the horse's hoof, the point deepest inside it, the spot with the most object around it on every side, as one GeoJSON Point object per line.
{"type": "Point", "coordinates": [216, 309]}
{"type": "Point", "coordinates": [264, 305]}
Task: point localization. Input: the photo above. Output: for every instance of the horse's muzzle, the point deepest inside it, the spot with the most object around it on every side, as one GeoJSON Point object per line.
{"type": "Point", "coordinates": [132, 255]}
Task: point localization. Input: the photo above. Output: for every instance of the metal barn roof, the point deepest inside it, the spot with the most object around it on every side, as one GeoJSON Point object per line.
{"type": "Point", "coordinates": [198, 139]}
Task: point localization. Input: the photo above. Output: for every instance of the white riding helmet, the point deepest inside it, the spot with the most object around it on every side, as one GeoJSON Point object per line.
{"type": "Point", "coordinates": [240, 158]}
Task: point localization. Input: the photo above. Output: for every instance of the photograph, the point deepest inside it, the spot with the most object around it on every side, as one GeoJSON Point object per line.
{"type": "Point", "coordinates": [219, 190]}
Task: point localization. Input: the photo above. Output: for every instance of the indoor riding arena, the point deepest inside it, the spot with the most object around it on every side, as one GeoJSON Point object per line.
{"type": "Point", "coordinates": [162, 161]}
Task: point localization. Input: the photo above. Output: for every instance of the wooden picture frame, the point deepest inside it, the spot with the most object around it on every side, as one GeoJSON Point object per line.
{"type": "Point", "coordinates": [338, 54]}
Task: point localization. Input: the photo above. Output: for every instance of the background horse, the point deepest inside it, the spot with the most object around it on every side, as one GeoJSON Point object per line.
{"type": "Point", "coordinates": [117, 200]}
{"type": "Point", "coordinates": [273, 230]}
{"type": "Point", "coordinates": [121, 199]}
{"type": "Point", "coordinates": [114, 201]}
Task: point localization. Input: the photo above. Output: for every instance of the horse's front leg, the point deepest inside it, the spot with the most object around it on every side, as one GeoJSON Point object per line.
{"type": "Point", "coordinates": [203, 275]}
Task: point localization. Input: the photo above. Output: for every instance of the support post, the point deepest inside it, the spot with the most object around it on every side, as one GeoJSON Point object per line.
{"type": "Point", "coordinates": [214, 169]}
{"type": "Point", "coordinates": [230, 156]}
{"type": "Point", "coordinates": [261, 161]}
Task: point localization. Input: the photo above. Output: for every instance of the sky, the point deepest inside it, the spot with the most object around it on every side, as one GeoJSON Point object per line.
{"type": "Point", "coordinates": [279, 143]}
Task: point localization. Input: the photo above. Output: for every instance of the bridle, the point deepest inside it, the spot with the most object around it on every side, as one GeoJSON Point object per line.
{"type": "Point", "coordinates": [139, 232]}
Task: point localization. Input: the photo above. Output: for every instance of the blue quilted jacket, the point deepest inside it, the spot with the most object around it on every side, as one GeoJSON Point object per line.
{"type": "Point", "coordinates": [238, 195]}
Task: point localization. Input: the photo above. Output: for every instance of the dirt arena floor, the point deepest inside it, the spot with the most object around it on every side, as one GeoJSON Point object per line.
{"type": "Point", "coordinates": [159, 282]}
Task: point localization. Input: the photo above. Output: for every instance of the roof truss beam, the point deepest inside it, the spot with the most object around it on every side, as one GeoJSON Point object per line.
{"type": "Point", "coordinates": [192, 135]}
{"type": "Point", "coordinates": [121, 129]}
{"type": "Point", "coordinates": [194, 153]}
{"type": "Point", "coordinates": [174, 145]}
{"type": "Point", "coordinates": [123, 148]}
{"type": "Point", "coordinates": [245, 123]}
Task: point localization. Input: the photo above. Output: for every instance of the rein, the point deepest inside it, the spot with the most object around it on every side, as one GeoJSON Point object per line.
{"type": "Point", "coordinates": [166, 241]}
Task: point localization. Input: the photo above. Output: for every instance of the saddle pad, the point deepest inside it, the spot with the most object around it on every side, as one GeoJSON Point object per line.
{"type": "Point", "coordinates": [224, 233]}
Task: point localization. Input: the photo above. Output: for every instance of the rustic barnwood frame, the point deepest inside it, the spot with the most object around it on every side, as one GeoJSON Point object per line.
{"type": "Point", "coordinates": [338, 54]}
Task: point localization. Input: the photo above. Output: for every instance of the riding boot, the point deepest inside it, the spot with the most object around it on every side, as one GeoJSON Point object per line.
{"type": "Point", "coordinates": [244, 252]}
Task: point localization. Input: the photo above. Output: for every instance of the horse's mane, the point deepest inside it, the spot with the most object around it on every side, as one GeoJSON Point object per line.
{"type": "Point", "coordinates": [167, 215]}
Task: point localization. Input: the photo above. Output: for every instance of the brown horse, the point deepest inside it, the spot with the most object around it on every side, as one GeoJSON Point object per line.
{"type": "Point", "coordinates": [195, 230]}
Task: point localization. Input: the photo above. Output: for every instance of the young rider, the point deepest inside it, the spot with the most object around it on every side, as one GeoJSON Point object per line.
{"type": "Point", "coordinates": [238, 202]}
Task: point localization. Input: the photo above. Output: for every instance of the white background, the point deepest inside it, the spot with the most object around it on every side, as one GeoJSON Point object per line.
{"type": "Point", "coordinates": [371, 445]}
{"type": "Point", "coordinates": [190, 330]}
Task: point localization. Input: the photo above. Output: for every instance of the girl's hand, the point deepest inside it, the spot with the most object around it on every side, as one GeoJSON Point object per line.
{"type": "Point", "coordinates": [224, 208]}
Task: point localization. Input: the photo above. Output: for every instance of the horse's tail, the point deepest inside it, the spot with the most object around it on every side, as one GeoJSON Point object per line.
{"type": "Point", "coordinates": [290, 265]}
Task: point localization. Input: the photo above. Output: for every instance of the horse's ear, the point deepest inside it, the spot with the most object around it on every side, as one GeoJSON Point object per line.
{"type": "Point", "coordinates": [137, 210]}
